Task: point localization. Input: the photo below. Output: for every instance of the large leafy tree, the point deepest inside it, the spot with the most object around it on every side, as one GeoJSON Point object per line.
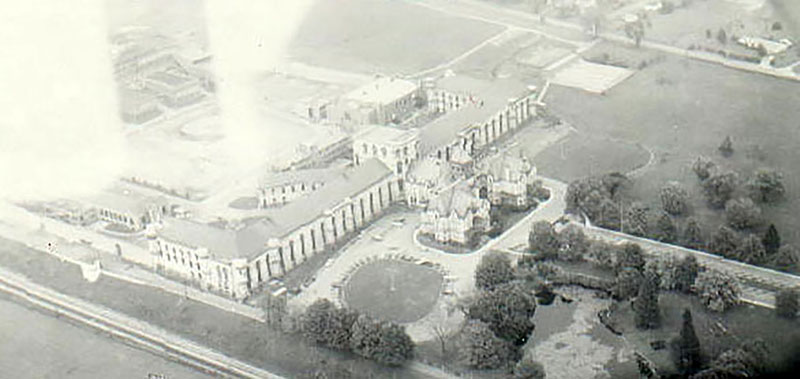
{"type": "Point", "coordinates": [480, 348]}
{"type": "Point", "coordinates": [631, 256]}
{"type": "Point", "coordinates": [325, 324]}
{"type": "Point", "coordinates": [743, 213]}
{"type": "Point", "coordinates": [787, 258]}
{"type": "Point", "coordinates": [573, 244]}
{"type": "Point", "coordinates": [543, 240]}
{"type": "Point", "coordinates": [636, 220]}
{"type": "Point", "coordinates": [724, 242]}
{"type": "Point", "coordinates": [494, 269]}
{"type": "Point", "coordinates": [717, 290]}
{"type": "Point", "coordinates": [665, 229]}
{"type": "Point", "coordinates": [766, 186]}
{"type": "Point", "coordinates": [647, 314]}
{"type": "Point", "coordinates": [693, 235]}
{"type": "Point", "coordinates": [508, 309]}
{"type": "Point", "coordinates": [719, 188]}
{"type": "Point", "coordinates": [703, 167]}
{"type": "Point", "coordinates": [627, 282]}
{"type": "Point", "coordinates": [752, 250]}
{"type": "Point", "coordinates": [384, 342]}
{"type": "Point", "coordinates": [674, 199]}
{"type": "Point", "coordinates": [685, 273]}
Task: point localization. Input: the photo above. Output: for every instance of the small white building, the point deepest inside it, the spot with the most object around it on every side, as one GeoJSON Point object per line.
{"type": "Point", "coordinates": [382, 101]}
{"type": "Point", "coordinates": [456, 216]}
{"type": "Point", "coordinates": [396, 148]}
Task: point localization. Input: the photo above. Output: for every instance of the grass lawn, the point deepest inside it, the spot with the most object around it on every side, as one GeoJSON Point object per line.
{"type": "Point", "coordinates": [742, 323]}
{"type": "Point", "coordinates": [706, 102]}
{"type": "Point", "coordinates": [582, 154]}
{"type": "Point", "coordinates": [383, 36]}
{"type": "Point", "coordinates": [231, 334]}
{"type": "Point", "coordinates": [394, 290]}
{"type": "Point", "coordinates": [247, 202]}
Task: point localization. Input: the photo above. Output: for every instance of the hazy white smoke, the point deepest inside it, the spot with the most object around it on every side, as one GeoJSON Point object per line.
{"type": "Point", "coordinates": [247, 38]}
{"type": "Point", "coordinates": [60, 134]}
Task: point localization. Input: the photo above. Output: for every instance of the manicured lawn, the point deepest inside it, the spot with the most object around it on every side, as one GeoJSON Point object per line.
{"type": "Point", "coordinates": [383, 36]}
{"type": "Point", "coordinates": [706, 102]}
{"type": "Point", "coordinates": [394, 290]}
{"type": "Point", "coordinates": [244, 203]}
{"type": "Point", "coordinates": [582, 154]}
{"type": "Point", "coordinates": [235, 335]}
{"type": "Point", "coordinates": [741, 324]}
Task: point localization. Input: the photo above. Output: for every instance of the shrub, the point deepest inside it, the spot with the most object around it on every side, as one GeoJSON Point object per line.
{"type": "Point", "coordinates": [786, 303]}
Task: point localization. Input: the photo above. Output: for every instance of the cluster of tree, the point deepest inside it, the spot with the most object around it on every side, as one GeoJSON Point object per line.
{"type": "Point", "coordinates": [765, 250]}
{"type": "Point", "coordinates": [544, 243]}
{"type": "Point", "coordinates": [598, 198]}
{"type": "Point", "coordinates": [500, 317]}
{"type": "Point", "coordinates": [337, 328]}
{"type": "Point", "coordinates": [717, 290]}
{"type": "Point", "coordinates": [750, 360]}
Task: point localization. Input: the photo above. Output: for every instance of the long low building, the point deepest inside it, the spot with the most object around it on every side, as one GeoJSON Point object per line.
{"type": "Point", "coordinates": [237, 260]}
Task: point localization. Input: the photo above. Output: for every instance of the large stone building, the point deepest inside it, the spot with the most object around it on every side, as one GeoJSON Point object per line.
{"type": "Point", "coordinates": [236, 261]}
{"type": "Point", "coordinates": [383, 101]}
{"type": "Point", "coordinates": [396, 148]}
{"type": "Point", "coordinates": [476, 113]}
{"type": "Point", "coordinates": [457, 216]}
{"type": "Point", "coordinates": [283, 187]}
{"type": "Point", "coordinates": [423, 181]}
{"type": "Point", "coordinates": [507, 179]}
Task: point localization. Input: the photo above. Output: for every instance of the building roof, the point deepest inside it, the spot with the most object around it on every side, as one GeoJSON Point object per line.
{"type": "Point", "coordinates": [504, 165]}
{"type": "Point", "coordinates": [458, 199]}
{"type": "Point", "coordinates": [427, 170]}
{"type": "Point", "coordinates": [316, 175]}
{"type": "Point", "coordinates": [381, 135]}
{"type": "Point", "coordinates": [123, 200]}
{"type": "Point", "coordinates": [251, 239]}
{"type": "Point", "coordinates": [489, 97]}
{"type": "Point", "coordinates": [131, 101]}
{"type": "Point", "coordinates": [383, 90]}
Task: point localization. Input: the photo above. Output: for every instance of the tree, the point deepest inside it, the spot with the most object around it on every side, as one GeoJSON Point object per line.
{"type": "Point", "coordinates": [635, 31]}
{"type": "Point", "coordinates": [508, 309]}
{"type": "Point", "coordinates": [543, 240]}
{"type": "Point", "coordinates": [647, 314]}
{"type": "Point", "coordinates": [693, 235]}
{"type": "Point", "coordinates": [747, 361]}
{"type": "Point", "coordinates": [365, 336]}
{"type": "Point", "coordinates": [687, 346]}
{"type": "Point", "coordinates": [480, 348]}
{"type": "Point", "coordinates": [722, 37]}
{"type": "Point", "coordinates": [573, 244]}
{"type": "Point", "coordinates": [718, 291]}
{"type": "Point", "coordinates": [742, 213]}
{"type": "Point", "coordinates": [752, 250]}
{"type": "Point", "coordinates": [787, 258]}
{"type": "Point", "coordinates": [603, 254]}
{"type": "Point", "coordinates": [703, 167]}
{"type": "Point", "coordinates": [766, 186]}
{"type": "Point", "coordinates": [626, 284]}
{"type": "Point", "coordinates": [665, 230]}
{"type": "Point", "coordinates": [631, 256]}
{"type": "Point", "coordinates": [325, 324]}
{"type": "Point", "coordinates": [726, 147]}
{"type": "Point", "coordinates": [674, 199]}
{"type": "Point", "coordinates": [719, 188]}
{"type": "Point", "coordinates": [686, 273]}
{"type": "Point", "coordinates": [528, 368]}
{"type": "Point", "coordinates": [394, 347]}
{"type": "Point", "coordinates": [664, 266]}
{"type": "Point", "coordinates": [771, 240]}
{"type": "Point", "coordinates": [609, 217]}
{"type": "Point", "coordinates": [724, 242]}
{"type": "Point", "coordinates": [494, 269]}
{"type": "Point", "coordinates": [786, 303]}
{"type": "Point", "coordinates": [635, 221]}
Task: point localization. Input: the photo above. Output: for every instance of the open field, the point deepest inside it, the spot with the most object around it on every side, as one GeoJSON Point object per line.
{"type": "Point", "coordinates": [394, 290]}
{"type": "Point", "coordinates": [742, 323]}
{"type": "Point", "coordinates": [383, 36]}
{"type": "Point", "coordinates": [581, 154]}
{"type": "Point", "coordinates": [38, 345]}
{"type": "Point", "coordinates": [681, 109]}
{"type": "Point", "coordinates": [226, 332]}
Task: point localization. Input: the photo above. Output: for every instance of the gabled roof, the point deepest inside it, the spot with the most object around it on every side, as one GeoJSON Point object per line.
{"type": "Point", "coordinates": [514, 165]}
{"type": "Point", "coordinates": [378, 134]}
{"type": "Point", "coordinates": [251, 239]}
{"type": "Point", "coordinates": [458, 199]}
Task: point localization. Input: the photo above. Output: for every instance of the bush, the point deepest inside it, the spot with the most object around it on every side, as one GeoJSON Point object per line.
{"type": "Point", "coordinates": [384, 342]}
{"type": "Point", "coordinates": [719, 188]}
{"type": "Point", "coordinates": [718, 291]}
{"type": "Point", "coordinates": [703, 167]}
{"type": "Point", "coordinates": [766, 186]}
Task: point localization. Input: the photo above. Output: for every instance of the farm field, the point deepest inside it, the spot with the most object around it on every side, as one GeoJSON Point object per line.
{"type": "Point", "coordinates": [681, 109]}
{"type": "Point", "coordinates": [383, 36]}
